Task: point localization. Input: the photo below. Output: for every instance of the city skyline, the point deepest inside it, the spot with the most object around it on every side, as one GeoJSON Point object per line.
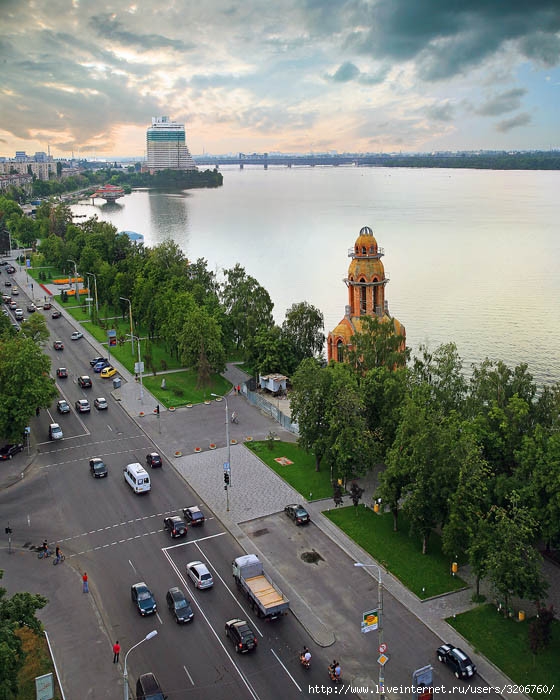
{"type": "Point", "coordinates": [298, 76]}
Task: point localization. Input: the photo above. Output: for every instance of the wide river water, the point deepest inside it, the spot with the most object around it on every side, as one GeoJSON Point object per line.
{"type": "Point", "coordinates": [473, 255]}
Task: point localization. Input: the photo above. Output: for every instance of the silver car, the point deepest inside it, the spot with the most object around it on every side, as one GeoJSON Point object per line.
{"type": "Point", "coordinates": [199, 574]}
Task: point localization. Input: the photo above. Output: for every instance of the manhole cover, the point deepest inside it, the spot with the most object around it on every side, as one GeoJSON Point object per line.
{"type": "Point", "coordinates": [262, 531]}
{"type": "Point", "coordinates": [311, 557]}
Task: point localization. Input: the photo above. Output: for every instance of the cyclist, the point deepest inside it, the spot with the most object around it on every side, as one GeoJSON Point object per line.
{"type": "Point", "coordinates": [45, 546]}
{"type": "Point", "coordinates": [58, 554]}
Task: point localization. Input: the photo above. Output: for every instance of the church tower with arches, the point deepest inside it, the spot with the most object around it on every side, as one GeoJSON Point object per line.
{"type": "Point", "coordinates": [366, 284]}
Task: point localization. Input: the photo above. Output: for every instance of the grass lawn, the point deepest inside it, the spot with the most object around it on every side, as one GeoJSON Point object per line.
{"type": "Point", "coordinates": [37, 663]}
{"type": "Point", "coordinates": [301, 474]}
{"type": "Point", "coordinates": [505, 642]}
{"type": "Point", "coordinates": [181, 388]}
{"type": "Point", "coordinates": [398, 552]}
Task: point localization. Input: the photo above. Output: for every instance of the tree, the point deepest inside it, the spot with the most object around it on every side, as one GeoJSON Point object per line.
{"type": "Point", "coordinates": [442, 371]}
{"type": "Point", "coordinates": [302, 327]}
{"type": "Point", "coordinates": [270, 351]}
{"type": "Point", "coordinates": [200, 345]}
{"type": "Point", "coordinates": [35, 328]}
{"type": "Point", "coordinates": [540, 628]}
{"type": "Point", "coordinates": [377, 344]}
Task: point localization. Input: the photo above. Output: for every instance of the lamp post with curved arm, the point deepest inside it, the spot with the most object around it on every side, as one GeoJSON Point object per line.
{"type": "Point", "coordinates": [125, 673]}
{"type": "Point", "coordinates": [130, 317]}
{"type": "Point", "coordinates": [75, 278]}
{"type": "Point", "coordinates": [227, 467]}
{"type": "Point", "coordinates": [381, 682]}
{"type": "Point", "coordinates": [140, 368]}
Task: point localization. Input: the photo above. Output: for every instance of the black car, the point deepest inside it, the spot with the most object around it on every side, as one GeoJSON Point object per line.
{"type": "Point", "coordinates": [175, 525]}
{"type": "Point", "coordinates": [62, 372]}
{"type": "Point", "coordinates": [95, 360]}
{"type": "Point", "coordinates": [179, 605]}
{"type": "Point", "coordinates": [456, 658]}
{"type": "Point", "coordinates": [297, 513]}
{"type": "Point", "coordinates": [56, 314]}
{"type": "Point", "coordinates": [143, 599]}
{"type": "Point", "coordinates": [153, 460]}
{"type": "Point", "coordinates": [84, 381]}
{"type": "Point", "coordinates": [98, 468]}
{"type": "Point", "coordinates": [194, 516]}
{"type": "Point", "coordinates": [241, 635]}
{"type": "Point", "coordinates": [8, 451]}
{"type": "Point", "coordinates": [148, 688]}
{"type": "Point", "coordinates": [62, 406]}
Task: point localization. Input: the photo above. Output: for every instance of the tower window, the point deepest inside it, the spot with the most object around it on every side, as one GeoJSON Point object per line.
{"type": "Point", "coordinates": [340, 351]}
{"type": "Point", "coordinates": [363, 298]}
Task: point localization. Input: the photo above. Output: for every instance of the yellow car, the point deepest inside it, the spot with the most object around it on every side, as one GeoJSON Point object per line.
{"type": "Point", "coordinates": [108, 372]}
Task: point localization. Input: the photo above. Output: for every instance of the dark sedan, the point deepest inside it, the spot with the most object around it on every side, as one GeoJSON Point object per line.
{"type": "Point", "coordinates": [8, 451]}
{"type": "Point", "coordinates": [143, 599]}
{"type": "Point", "coordinates": [153, 460]}
{"type": "Point", "coordinates": [179, 605]}
{"type": "Point", "coordinates": [297, 513]}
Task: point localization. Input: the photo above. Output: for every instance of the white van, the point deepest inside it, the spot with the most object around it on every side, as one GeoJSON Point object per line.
{"type": "Point", "coordinates": [137, 477]}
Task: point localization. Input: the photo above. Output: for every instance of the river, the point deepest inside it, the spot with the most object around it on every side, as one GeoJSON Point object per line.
{"type": "Point", "coordinates": [473, 255]}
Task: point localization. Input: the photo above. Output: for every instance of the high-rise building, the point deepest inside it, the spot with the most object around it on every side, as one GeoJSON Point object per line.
{"type": "Point", "coordinates": [167, 147]}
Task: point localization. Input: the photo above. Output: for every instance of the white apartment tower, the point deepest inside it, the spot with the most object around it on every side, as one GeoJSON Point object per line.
{"type": "Point", "coordinates": [167, 147]}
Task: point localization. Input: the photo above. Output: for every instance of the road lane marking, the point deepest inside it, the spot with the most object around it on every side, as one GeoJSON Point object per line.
{"type": "Point", "coordinates": [188, 674]}
{"type": "Point", "coordinates": [285, 669]}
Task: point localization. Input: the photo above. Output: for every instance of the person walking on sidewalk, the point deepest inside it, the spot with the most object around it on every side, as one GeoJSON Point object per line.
{"type": "Point", "coordinates": [116, 651]}
{"type": "Point", "coordinates": [85, 586]}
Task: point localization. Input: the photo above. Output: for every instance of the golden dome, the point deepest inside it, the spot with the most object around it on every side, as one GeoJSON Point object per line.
{"type": "Point", "coordinates": [366, 240]}
{"type": "Point", "coordinates": [366, 267]}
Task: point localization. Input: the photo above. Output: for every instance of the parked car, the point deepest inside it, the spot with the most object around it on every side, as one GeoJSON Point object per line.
{"type": "Point", "coordinates": [56, 314]}
{"type": "Point", "coordinates": [82, 406]}
{"type": "Point", "coordinates": [242, 636]}
{"type": "Point", "coordinates": [8, 451]}
{"type": "Point", "coordinates": [148, 688]}
{"type": "Point", "coordinates": [199, 574]}
{"type": "Point", "coordinates": [100, 366]}
{"type": "Point", "coordinates": [98, 468]}
{"type": "Point", "coordinates": [179, 605]}
{"type": "Point", "coordinates": [58, 345]}
{"type": "Point", "coordinates": [153, 460]}
{"type": "Point", "coordinates": [84, 381]}
{"type": "Point", "coordinates": [62, 406]}
{"type": "Point", "coordinates": [76, 335]}
{"type": "Point", "coordinates": [95, 360]}
{"type": "Point", "coordinates": [175, 525]}
{"type": "Point", "coordinates": [456, 658]}
{"type": "Point", "coordinates": [297, 513]}
{"type": "Point", "coordinates": [143, 599]}
{"type": "Point", "coordinates": [193, 516]}
{"type": "Point", "coordinates": [62, 373]}
{"type": "Point", "coordinates": [100, 404]}
{"type": "Point", "coordinates": [108, 372]}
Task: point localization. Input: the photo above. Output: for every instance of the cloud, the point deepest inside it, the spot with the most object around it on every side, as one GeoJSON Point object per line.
{"type": "Point", "coordinates": [508, 124]}
{"type": "Point", "coordinates": [109, 27]}
{"type": "Point", "coordinates": [441, 112]}
{"type": "Point", "coordinates": [500, 104]}
{"type": "Point", "coordinates": [347, 71]}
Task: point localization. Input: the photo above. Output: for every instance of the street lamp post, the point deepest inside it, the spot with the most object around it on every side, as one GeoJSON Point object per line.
{"type": "Point", "coordinates": [130, 317]}
{"type": "Point", "coordinates": [95, 282]}
{"type": "Point", "coordinates": [75, 278]}
{"type": "Point", "coordinates": [139, 367]}
{"type": "Point", "coordinates": [125, 673]}
{"type": "Point", "coordinates": [380, 624]}
{"type": "Point", "coordinates": [227, 469]}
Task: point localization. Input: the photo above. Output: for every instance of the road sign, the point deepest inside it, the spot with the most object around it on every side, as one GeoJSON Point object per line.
{"type": "Point", "coordinates": [382, 660]}
{"type": "Point", "coordinates": [382, 648]}
{"type": "Point", "coordinates": [370, 621]}
{"type": "Point", "coordinates": [139, 368]}
{"type": "Point", "coordinates": [227, 468]}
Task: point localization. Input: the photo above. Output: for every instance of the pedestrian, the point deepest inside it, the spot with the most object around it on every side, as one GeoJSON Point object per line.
{"type": "Point", "coordinates": [85, 587]}
{"type": "Point", "coordinates": [238, 389]}
{"type": "Point", "coordinates": [116, 651]}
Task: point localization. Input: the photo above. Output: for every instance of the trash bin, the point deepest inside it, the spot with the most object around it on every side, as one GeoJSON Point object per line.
{"type": "Point", "coordinates": [117, 383]}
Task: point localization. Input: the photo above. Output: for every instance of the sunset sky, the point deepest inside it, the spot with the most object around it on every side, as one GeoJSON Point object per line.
{"type": "Point", "coordinates": [86, 76]}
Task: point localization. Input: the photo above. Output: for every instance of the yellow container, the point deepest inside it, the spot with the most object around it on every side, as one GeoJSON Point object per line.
{"type": "Point", "coordinates": [454, 567]}
{"type": "Point", "coordinates": [521, 615]}
{"type": "Point", "coordinates": [376, 508]}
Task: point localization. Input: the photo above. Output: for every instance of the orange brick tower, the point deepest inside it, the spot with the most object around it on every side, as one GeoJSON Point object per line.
{"type": "Point", "coordinates": [366, 295]}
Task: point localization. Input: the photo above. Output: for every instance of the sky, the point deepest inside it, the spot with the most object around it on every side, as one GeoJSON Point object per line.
{"type": "Point", "coordinates": [85, 77]}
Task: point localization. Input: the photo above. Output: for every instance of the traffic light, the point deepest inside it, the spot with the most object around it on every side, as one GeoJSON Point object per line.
{"type": "Point", "coordinates": [226, 478]}
{"type": "Point", "coordinates": [157, 410]}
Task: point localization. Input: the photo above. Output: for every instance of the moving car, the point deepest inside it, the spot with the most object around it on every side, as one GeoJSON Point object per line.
{"type": "Point", "coordinates": [55, 432]}
{"type": "Point", "coordinates": [58, 345]}
{"type": "Point", "coordinates": [15, 291]}
{"type": "Point", "coordinates": [148, 688]}
{"type": "Point", "coordinates": [84, 381]}
{"type": "Point", "coordinates": [175, 525]}
{"type": "Point", "coordinates": [76, 335]}
{"type": "Point", "coordinates": [241, 635]}
{"type": "Point", "coordinates": [199, 574]}
{"type": "Point", "coordinates": [179, 605]}
{"type": "Point", "coordinates": [98, 468]}
{"type": "Point", "coordinates": [143, 599]}
{"type": "Point", "coordinates": [62, 406]}
{"type": "Point", "coordinates": [193, 516]}
{"type": "Point", "coordinates": [297, 513]}
{"type": "Point", "coordinates": [101, 404]}
{"type": "Point", "coordinates": [95, 360]}
{"type": "Point", "coordinates": [31, 308]}
{"type": "Point", "coordinates": [10, 269]}
{"type": "Point", "coordinates": [98, 366]}
{"type": "Point", "coordinates": [47, 305]}
{"type": "Point", "coordinates": [56, 314]}
{"type": "Point", "coordinates": [153, 460]}
{"type": "Point", "coordinates": [456, 658]}
{"type": "Point", "coordinates": [7, 283]}
{"type": "Point", "coordinates": [107, 372]}
{"type": "Point", "coordinates": [8, 451]}
{"type": "Point", "coordinates": [62, 372]}
{"type": "Point", "coordinates": [82, 406]}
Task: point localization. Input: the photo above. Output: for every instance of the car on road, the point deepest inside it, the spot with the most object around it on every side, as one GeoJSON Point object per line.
{"type": "Point", "coordinates": [148, 688]}
{"type": "Point", "coordinates": [76, 335]}
{"type": "Point", "coordinates": [143, 599]}
{"type": "Point", "coordinates": [84, 381]}
{"type": "Point", "coordinates": [153, 460]}
{"type": "Point", "coordinates": [18, 313]}
{"type": "Point", "coordinates": [10, 269]}
{"type": "Point", "coordinates": [7, 283]}
{"type": "Point", "coordinates": [8, 451]}
{"type": "Point", "coordinates": [98, 468]}
{"type": "Point", "coordinates": [47, 305]}
{"type": "Point", "coordinates": [13, 305]}
{"type": "Point", "coordinates": [100, 403]}
{"type": "Point", "coordinates": [175, 525]}
{"type": "Point", "coordinates": [82, 406]}
{"type": "Point", "coordinates": [56, 314]}
{"type": "Point", "coordinates": [58, 345]}
{"type": "Point", "coordinates": [193, 516]}
{"type": "Point", "coordinates": [199, 574]}
{"type": "Point", "coordinates": [55, 432]}
{"type": "Point", "coordinates": [95, 360]}
{"type": "Point", "coordinates": [62, 373]}
{"type": "Point", "coordinates": [15, 291]}
{"type": "Point", "coordinates": [457, 660]}
{"type": "Point", "coordinates": [62, 406]}
{"type": "Point", "coordinates": [31, 308]}
{"type": "Point", "coordinates": [107, 372]}
{"type": "Point", "coordinates": [179, 605]}
{"type": "Point", "coordinates": [98, 366]}
{"type": "Point", "coordinates": [241, 635]}
{"type": "Point", "coordinates": [297, 513]}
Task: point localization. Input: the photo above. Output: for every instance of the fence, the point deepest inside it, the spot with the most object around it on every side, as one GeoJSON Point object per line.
{"type": "Point", "coordinates": [272, 411]}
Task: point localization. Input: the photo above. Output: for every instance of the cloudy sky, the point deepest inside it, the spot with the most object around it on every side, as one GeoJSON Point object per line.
{"type": "Point", "coordinates": [86, 76]}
